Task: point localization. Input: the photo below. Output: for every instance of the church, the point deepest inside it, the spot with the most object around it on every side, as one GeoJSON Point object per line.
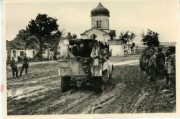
{"type": "Point", "coordinates": [100, 30]}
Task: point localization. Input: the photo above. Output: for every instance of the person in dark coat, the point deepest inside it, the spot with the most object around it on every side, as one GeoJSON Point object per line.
{"type": "Point", "coordinates": [160, 60]}
{"type": "Point", "coordinates": [13, 65]}
{"type": "Point", "coordinates": [25, 65]}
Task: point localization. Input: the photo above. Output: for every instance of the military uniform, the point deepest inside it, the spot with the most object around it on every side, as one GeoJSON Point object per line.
{"type": "Point", "coordinates": [171, 69]}
{"type": "Point", "coordinates": [14, 68]}
{"type": "Point", "coordinates": [172, 72]}
{"type": "Point", "coordinates": [25, 65]}
{"type": "Point", "coordinates": [160, 59]}
{"type": "Point", "coordinates": [152, 67]}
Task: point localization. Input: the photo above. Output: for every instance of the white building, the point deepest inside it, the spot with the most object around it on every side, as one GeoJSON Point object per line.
{"type": "Point", "coordinates": [30, 53]}
{"type": "Point", "coordinates": [48, 54]}
{"type": "Point", "coordinates": [117, 47]}
{"type": "Point", "coordinates": [20, 52]}
{"type": "Point", "coordinates": [100, 30]}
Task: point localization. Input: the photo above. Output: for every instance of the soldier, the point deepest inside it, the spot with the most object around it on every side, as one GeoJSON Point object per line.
{"type": "Point", "coordinates": [141, 63]}
{"type": "Point", "coordinates": [152, 66]}
{"type": "Point", "coordinates": [172, 68]}
{"type": "Point", "coordinates": [25, 65]}
{"type": "Point", "coordinates": [14, 67]}
{"type": "Point", "coordinates": [160, 60]}
{"type": "Point", "coordinates": [167, 58]}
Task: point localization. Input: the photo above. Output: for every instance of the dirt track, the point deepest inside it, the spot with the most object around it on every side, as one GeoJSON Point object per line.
{"type": "Point", "coordinates": [39, 92]}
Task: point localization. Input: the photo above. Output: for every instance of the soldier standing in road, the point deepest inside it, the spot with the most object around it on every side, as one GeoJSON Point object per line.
{"type": "Point", "coordinates": [166, 66]}
{"type": "Point", "coordinates": [172, 69]}
{"type": "Point", "coordinates": [25, 65]}
{"type": "Point", "coordinates": [160, 60]}
{"type": "Point", "coordinates": [14, 67]}
{"type": "Point", "coordinates": [152, 66]}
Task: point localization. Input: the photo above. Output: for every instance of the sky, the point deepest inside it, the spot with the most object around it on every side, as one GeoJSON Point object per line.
{"type": "Point", "coordinates": [133, 15]}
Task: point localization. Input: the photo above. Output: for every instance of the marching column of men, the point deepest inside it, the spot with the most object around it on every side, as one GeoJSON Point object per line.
{"type": "Point", "coordinates": [161, 65]}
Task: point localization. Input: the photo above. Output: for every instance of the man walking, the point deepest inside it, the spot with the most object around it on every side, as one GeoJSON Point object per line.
{"type": "Point", "coordinates": [14, 67]}
{"type": "Point", "coordinates": [25, 65]}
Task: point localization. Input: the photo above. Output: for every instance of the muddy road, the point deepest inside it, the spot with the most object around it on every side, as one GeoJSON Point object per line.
{"type": "Point", "coordinates": [39, 92]}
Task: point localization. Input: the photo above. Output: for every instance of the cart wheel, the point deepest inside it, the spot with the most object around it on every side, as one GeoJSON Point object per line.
{"type": "Point", "coordinates": [105, 77]}
{"type": "Point", "coordinates": [99, 85]}
{"type": "Point", "coordinates": [99, 88]}
{"type": "Point", "coordinates": [110, 75]}
{"type": "Point", "coordinates": [65, 84]}
{"type": "Point", "coordinates": [112, 67]}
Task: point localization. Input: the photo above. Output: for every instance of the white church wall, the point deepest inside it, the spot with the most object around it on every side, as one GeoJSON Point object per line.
{"type": "Point", "coordinates": [84, 36]}
{"type": "Point", "coordinates": [99, 35]}
{"type": "Point", "coordinates": [117, 50]}
{"type": "Point", "coordinates": [106, 37]}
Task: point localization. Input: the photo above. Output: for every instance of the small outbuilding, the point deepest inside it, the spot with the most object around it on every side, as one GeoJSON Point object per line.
{"type": "Point", "coordinates": [117, 47]}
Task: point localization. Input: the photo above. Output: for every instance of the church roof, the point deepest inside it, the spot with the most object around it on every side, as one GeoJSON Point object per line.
{"type": "Point", "coordinates": [92, 29]}
{"type": "Point", "coordinates": [100, 10]}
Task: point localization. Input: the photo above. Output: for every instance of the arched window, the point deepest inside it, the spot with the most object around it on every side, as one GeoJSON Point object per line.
{"type": "Point", "coordinates": [100, 24]}
{"type": "Point", "coordinates": [97, 25]}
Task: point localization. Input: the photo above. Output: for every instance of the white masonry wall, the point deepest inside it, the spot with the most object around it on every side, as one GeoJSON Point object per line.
{"type": "Point", "coordinates": [117, 50]}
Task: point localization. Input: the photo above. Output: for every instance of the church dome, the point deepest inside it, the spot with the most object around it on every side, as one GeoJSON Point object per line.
{"type": "Point", "coordinates": [100, 10]}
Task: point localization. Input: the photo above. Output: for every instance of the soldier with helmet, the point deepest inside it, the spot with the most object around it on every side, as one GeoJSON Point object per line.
{"type": "Point", "coordinates": [25, 65]}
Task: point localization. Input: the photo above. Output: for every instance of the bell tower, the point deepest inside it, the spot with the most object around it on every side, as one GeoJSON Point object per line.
{"type": "Point", "coordinates": [100, 17]}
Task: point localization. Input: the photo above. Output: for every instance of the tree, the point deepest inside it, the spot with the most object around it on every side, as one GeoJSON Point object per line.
{"type": "Point", "coordinates": [74, 36]}
{"type": "Point", "coordinates": [24, 38]}
{"type": "Point", "coordinates": [63, 33]}
{"type": "Point", "coordinates": [69, 36]}
{"type": "Point", "coordinates": [45, 29]}
{"type": "Point", "coordinates": [150, 39]}
{"type": "Point", "coordinates": [127, 36]}
{"type": "Point", "coordinates": [112, 34]}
